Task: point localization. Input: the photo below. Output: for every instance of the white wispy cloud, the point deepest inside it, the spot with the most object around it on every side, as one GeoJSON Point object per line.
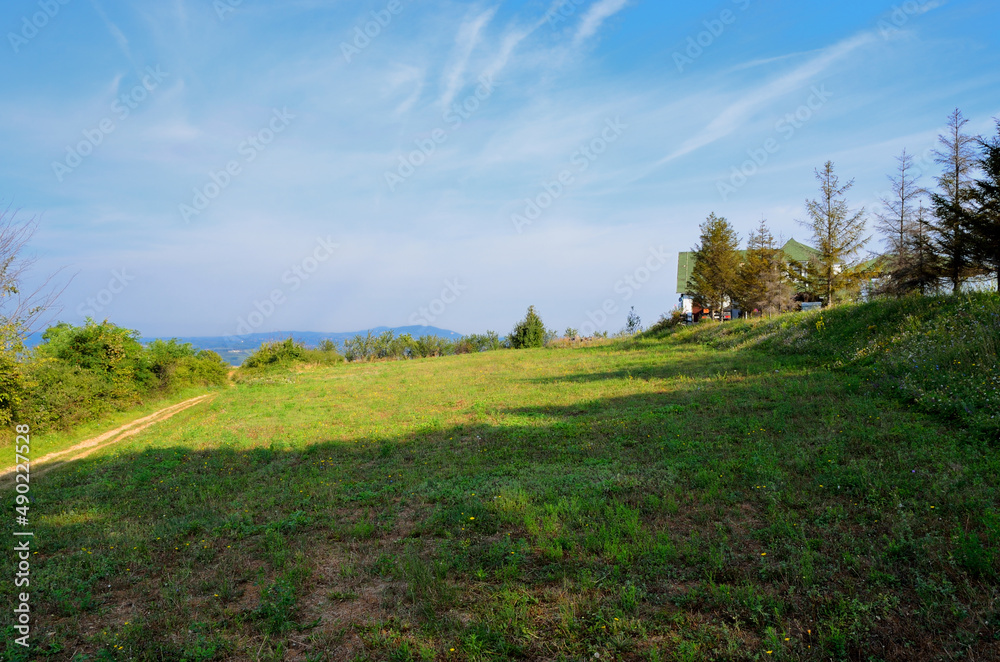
{"type": "Point", "coordinates": [469, 35]}
{"type": "Point", "coordinates": [767, 60]}
{"type": "Point", "coordinates": [406, 77]}
{"type": "Point", "coordinates": [114, 30]}
{"type": "Point", "coordinates": [599, 12]}
{"type": "Point", "coordinates": [737, 113]}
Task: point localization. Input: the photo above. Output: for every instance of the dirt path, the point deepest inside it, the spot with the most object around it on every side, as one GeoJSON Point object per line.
{"type": "Point", "coordinates": [85, 448]}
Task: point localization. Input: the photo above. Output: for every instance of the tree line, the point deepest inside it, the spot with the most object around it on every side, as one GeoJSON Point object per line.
{"type": "Point", "coordinates": [529, 332]}
{"type": "Point", "coordinates": [935, 239]}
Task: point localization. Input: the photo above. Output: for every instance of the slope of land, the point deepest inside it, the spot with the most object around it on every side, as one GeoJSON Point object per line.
{"type": "Point", "coordinates": [650, 500]}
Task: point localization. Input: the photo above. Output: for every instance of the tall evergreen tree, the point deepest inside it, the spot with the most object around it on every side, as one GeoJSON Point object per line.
{"type": "Point", "coordinates": [953, 203]}
{"type": "Point", "coordinates": [896, 222]}
{"type": "Point", "coordinates": [715, 275]}
{"type": "Point", "coordinates": [838, 235]}
{"type": "Point", "coordinates": [985, 228]}
{"type": "Point", "coordinates": [922, 272]}
{"type": "Point", "coordinates": [764, 280]}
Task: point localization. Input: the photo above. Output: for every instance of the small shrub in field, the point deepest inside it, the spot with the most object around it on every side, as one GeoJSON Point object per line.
{"type": "Point", "coordinates": [276, 354]}
{"type": "Point", "coordinates": [665, 323]}
{"type": "Point", "coordinates": [487, 342]}
{"type": "Point", "coordinates": [287, 353]}
{"type": "Point", "coordinates": [427, 346]}
{"type": "Point", "coordinates": [529, 332]}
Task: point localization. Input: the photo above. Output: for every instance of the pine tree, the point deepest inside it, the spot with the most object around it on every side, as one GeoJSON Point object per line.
{"type": "Point", "coordinates": [985, 228]}
{"type": "Point", "coordinates": [839, 235]}
{"type": "Point", "coordinates": [715, 275]}
{"type": "Point", "coordinates": [529, 332]}
{"type": "Point", "coordinates": [952, 205]}
{"type": "Point", "coordinates": [764, 280]}
{"type": "Point", "coordinates": [896, 222]}
{"type": "Point", "coordinates": [921, 272]}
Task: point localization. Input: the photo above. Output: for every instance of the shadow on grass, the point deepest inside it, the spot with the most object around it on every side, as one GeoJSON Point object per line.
{"type": "Point", "coordinates": [774, 502]}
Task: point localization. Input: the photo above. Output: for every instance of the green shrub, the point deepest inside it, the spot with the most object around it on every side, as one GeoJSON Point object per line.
{"type": "Point", "coordinates": [529, 332]}
{"type": "Point", "coordinates": [276, 354]}
{"type": "Point", "coordinates": [665, 323]}
{"type": "Point", "coordinates": [427, 346]}
{"type": "Point", "coordinates": [112, 352]}
{"type": "Point", "coordinates": [11, 387]}
{"type": "Point", "coordinates": [284, 354]}
{"type": "Point", "coordinates": [81, 373]}
{"type": "Point", "coordinates": [179, 366]}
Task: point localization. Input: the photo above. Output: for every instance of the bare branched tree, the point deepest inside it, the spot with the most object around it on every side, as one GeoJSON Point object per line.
{"type": "Point", "coordinates": [896, 218]}
{"type": "Point", "coordinates": [22, 310]}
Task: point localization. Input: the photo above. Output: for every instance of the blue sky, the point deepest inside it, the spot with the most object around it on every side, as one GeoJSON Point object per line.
{"type": "Point", "coordinates": [206, 167]}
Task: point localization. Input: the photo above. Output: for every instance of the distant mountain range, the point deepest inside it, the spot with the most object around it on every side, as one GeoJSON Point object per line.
{"type": "Point", "coordinates": [234, 349]}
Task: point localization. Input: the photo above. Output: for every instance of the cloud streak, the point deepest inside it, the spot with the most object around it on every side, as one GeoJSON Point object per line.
{"type": "Point", "coordinates": [598, 13]}
{"type": "Point", "coordinates": [737, 114]}
{"type": "Point", "coordinates": [469, 35]}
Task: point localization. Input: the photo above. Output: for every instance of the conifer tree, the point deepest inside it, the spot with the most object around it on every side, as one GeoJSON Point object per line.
{"type": "Point", "coordinates": [764, 279]}
{"type": "Point", "coordinates": [838, 235]}
{"type": "Point", "coordinates": [897, 224]}
{"type": "Point", "coordinates": [921, 272]}
{"type": "Point", "coordinates": [529, 332]}
{"type": "Point", "coordinates": [953, 203]}
{"type": "Point", "coordinates": [985, 226]}
{"type": "Point", "coordinates": [715, 276]}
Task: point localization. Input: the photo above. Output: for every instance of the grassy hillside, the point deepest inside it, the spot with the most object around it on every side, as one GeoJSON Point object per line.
{"type": "Point", "coordinates": [745, 492]}
{"type": "Point", "coordinates": [939, 355]}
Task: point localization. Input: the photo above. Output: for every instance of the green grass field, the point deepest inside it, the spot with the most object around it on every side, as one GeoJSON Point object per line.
{"type": "Point", "coordinates": [659, 499]}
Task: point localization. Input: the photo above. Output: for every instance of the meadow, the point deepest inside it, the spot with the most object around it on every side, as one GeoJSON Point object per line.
{"type": "Point", "coordinates": [791, 489]}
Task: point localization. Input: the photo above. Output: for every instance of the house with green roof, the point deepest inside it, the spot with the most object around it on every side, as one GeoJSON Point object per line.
{"type": "Point", "coordinates": [792, 250]}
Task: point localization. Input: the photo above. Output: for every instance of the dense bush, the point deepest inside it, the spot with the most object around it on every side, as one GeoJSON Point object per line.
{"type": "Point", "coordinates": [10, 386]}
{"type": "Point", "coordinates": [666, 322]}
{"type": "Point", "coordinates": [487, 342]}
{"type": "Point", "coordinates": [79, 373]}
{"type": "Point", "coordinates": [529, 332]}
{"type": "Point", "coordinates": [387, 345]}
{"type": "Point", "coordinates": [286, 353]}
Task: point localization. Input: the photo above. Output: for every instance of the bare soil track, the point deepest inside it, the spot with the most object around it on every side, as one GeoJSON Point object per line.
{"type": "Point", "coordinates": [85, 448]}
